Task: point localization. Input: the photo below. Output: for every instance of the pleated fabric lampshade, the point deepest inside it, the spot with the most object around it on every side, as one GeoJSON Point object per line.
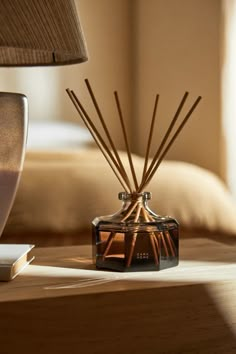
{"type": "Point", "coordinates": [40, 32]}
{"type": "Point", "coordinates": [32, 33]}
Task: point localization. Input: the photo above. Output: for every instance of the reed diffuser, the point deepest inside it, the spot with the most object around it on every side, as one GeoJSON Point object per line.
{"type": "Point", "coordinates": [135, 238]}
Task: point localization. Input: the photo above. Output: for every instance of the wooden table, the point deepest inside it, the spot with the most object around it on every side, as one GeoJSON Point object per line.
{"type": "Point", "coordinates": [61, 304]}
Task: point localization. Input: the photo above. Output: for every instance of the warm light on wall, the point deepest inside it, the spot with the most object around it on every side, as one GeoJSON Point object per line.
{"type": "Point", "coordinates": [228, 90]}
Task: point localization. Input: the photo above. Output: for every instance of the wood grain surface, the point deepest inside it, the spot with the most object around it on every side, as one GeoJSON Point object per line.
{"type": "Point", "coordinates": [61, 304]}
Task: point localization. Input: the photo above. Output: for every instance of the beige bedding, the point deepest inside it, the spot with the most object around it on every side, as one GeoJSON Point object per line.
{"type": "Point", "coordinates": [62, 191]}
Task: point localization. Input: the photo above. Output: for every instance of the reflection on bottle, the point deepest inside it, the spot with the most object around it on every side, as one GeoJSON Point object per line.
{"type": "Point", "coordinates": [135, 239]}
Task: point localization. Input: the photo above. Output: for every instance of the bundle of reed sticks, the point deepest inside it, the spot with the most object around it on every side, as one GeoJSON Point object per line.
{"type": "Point", "coordinates": [109, 150]}
{"type": "Point", "coordinates": [135, 188]}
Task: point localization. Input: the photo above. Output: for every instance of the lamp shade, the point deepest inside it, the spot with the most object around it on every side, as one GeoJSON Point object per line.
{"type": "Point", "coordinates": [40, 32]}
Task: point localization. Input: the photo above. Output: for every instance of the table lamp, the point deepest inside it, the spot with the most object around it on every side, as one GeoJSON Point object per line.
{"type": "Point", "coordinates": [32, 33]}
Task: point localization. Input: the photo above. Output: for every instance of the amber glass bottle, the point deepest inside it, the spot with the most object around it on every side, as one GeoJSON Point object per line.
{"type": "Point", "coordinates": [135, 238]}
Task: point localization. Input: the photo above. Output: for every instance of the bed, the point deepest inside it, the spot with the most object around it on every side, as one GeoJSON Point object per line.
{"type": "Point", "coordinates": [66, 183]}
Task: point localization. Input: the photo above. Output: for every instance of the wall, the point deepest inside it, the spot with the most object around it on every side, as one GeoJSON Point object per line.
{"type": "Point", "coordinates": [228, 79]}
{"type": "Point", "coordinates": [140, 47]}
{"type": "Point", "coordinates": [106, 24]}
{"type": "Point", "coordinates": [40, 85]}
{"type": "Point", "coordinates": [178, 50]}
{"type": "Point", "coordinates": [166, 46]}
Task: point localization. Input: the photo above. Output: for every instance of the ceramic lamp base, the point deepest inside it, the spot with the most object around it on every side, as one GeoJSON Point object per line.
{"type": "Point", "coordinates": [13, 135]}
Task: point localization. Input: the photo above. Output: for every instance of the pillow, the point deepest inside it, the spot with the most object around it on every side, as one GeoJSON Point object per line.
{"type": "Point", "coordinates": [65, 191]}
{"type": "Point", "coordinates": [196, 197]}
{"type": "Point", "coordinates": [56, 134]}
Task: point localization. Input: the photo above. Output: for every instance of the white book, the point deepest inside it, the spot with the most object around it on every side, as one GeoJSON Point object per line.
{"type": "Point", "coordinates": [13, 259]}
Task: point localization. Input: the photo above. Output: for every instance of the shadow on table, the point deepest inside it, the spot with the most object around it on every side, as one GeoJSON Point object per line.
{"type": "Point", "coordinates": [165, 320]}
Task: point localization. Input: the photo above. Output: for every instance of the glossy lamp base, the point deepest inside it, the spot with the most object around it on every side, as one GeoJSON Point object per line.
{"type": "Point", "coordinates": [13, 134]}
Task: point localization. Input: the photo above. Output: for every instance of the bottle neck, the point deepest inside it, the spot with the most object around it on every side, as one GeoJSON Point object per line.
{"type": "Point", "coordinates": [135, 207]}
{"type": "Point", "coordinates": [133, 198]}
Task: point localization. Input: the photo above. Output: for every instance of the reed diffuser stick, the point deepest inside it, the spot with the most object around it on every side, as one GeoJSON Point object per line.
{"type": "Point", "coordinates": [106, 153]}
{"type": "Point", "coordinates": [171, 126]}
{"type": "Point", "coordinates": [156, 241]}
{"type": "Point", "coordinates": [106, 131]}
{"type": "Point", "coordinates": [169, 241]}
{"type": "Point", "coordinates": [102, 142]}
{"type": "Point", "coordinates": [158, 162]}
{"type": "Point", "coordinates": [126, 140]}
{"type": "Point", "coordinates": [136, 216]}
{"type": "Point", "coordinates": [86, 118]}
{"type": "Point", "coordinates": [134, 236]}
{"type": "Point", "coordinates": [130, 210]}
{"type": "Point", "coordinates": [108, 244]}
{"type": "Point", "coordinates": [150, 137]}
{"type": "Point", "coordinates": [152, 238]}
{"type": "Point", "coordinates": [164, 244]}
